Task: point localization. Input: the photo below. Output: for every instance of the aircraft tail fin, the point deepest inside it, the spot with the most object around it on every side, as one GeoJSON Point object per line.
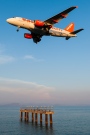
{"type": "Point", "coordinates": [70, 27]}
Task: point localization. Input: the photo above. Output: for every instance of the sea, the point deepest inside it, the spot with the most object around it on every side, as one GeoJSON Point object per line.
{"type": "Point", "coordinates": [67, 120]}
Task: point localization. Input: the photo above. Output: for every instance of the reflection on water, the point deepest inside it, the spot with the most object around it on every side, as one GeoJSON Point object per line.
{"type": "Point", "coordinates": [39, 128]}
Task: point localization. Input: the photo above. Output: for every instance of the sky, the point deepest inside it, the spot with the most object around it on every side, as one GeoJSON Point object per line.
{"type": "Point", "coordinates": [54, 71]}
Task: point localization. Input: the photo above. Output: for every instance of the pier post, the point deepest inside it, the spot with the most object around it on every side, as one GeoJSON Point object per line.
{"type": "Point", "coordinates": [32, 117]}
{"type": "Point", "coordinates": [21, 116]}
{"type": "Point", "coordinates": [51, 119]}
{"type": "Point", "coordinates": [40, 118]}
{"type": "Point", "coordinates": [25, 116]}
{"type": "Point", "coordinates": [46, 118]}
{"type": "Point", "coordinates": [36, 117]}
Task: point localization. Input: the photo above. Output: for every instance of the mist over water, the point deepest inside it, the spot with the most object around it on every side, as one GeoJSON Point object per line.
{"type": "Point", "coordinates": [66, 121]}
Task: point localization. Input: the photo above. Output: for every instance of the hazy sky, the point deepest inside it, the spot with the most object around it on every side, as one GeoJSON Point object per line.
{"type": "Point", "coordinates": [54, 71]}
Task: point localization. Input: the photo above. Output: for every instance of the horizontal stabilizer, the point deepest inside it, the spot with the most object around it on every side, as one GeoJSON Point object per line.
{"type": "Point", "coordinates": [76, 31]}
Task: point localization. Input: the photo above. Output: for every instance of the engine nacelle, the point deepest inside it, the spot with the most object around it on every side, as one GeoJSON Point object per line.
{"type": "Point", "coordinates": [39, 23]}
{"type": "Point", "coordinates": [27, 35]}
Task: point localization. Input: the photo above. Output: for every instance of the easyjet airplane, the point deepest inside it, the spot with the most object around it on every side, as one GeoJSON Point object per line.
{"type": "Point", "coordinates": [40, 28]}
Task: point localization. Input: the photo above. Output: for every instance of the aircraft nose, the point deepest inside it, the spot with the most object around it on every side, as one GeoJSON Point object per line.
{"type": "Point", "coordinates": [8, 20]}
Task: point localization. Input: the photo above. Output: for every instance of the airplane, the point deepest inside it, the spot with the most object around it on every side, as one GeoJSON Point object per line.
{"type": "Point", "coordinates": [45, 28]}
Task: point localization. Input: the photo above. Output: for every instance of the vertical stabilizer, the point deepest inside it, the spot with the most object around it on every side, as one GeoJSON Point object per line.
{"type": "Point", "coordinates": [70, 27]}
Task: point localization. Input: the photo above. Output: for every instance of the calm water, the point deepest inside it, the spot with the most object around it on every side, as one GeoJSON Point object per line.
{"type": "Point", "coordinates": [66, 121]}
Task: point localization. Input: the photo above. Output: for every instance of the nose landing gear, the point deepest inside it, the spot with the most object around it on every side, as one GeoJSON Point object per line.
{"type": "Point", "coordinates": [18, 28]}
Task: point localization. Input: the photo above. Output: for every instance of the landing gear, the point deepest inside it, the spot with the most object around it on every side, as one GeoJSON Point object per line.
{"type": "Point", "coordinates": [18, 28]}
{"type": "Point", "coordinates": [36, 40]}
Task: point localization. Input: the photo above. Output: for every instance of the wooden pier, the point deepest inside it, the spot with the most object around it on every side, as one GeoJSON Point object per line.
{"type": "Point", "coordinates": [35, 111]}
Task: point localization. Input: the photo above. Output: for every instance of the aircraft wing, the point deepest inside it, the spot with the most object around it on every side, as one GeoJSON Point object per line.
{"type": "Point", "coordinates": [60, 16]}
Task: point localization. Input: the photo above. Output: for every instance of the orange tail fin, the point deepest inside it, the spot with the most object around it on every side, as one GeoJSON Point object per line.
{"type": "Point", "coordinates": [70, 27]}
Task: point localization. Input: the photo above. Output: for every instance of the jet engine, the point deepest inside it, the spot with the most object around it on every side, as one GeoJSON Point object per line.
{"type": "Point", "coordinates": [27, 35]}
{"type": "Point", "coordinates": [39, 23]}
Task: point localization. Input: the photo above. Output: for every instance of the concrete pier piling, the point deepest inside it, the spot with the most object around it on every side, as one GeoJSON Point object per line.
{"type": "Point", "coordinates": [35, 111]}
{"type": "Point", "coordinates": [25, 116]}
{"type": "Point", "coordinates": [40, 118]}
{"type": "Point", "coordinates": [32, 117]}
{"type": "Point", "coordinates": [50, 118]}
{"type": "Point", "coordinates": [36, 117]}
{"type": "Point", "coordinates": [46, 118]}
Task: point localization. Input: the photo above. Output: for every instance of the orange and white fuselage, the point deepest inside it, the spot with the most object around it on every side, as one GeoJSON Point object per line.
{"type": "Point", "coordinates": [29, 25]}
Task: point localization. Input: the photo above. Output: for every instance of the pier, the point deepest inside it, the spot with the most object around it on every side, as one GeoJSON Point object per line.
{"type": "Point", "coordinates": [35, 112]}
